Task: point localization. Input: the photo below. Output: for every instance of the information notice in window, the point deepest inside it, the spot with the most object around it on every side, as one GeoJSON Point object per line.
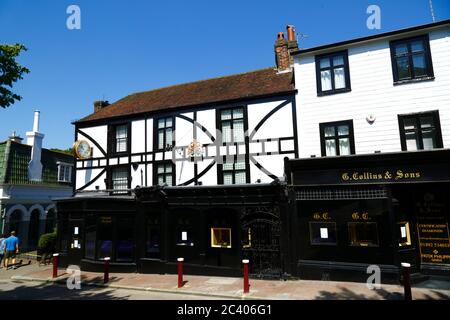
{"type": "Point", "coordinates": [432, 226]}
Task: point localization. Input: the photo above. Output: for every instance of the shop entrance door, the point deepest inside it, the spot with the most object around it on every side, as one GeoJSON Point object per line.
{"type": "Point", "coordinates": [261, 241]}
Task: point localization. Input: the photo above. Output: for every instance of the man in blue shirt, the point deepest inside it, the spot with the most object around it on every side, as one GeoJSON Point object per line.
{"type": "Point", "coordinates": [11, 249]}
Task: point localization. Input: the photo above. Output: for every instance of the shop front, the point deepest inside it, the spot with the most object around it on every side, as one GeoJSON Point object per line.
{"type": "Point", "coordinates": [212, 228]}
{"type": "Point", "coordinates": [376, 210]}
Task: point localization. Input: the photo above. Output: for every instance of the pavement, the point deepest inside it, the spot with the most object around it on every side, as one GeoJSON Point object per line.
{"type": "Point", "coordinates": [206, 287]}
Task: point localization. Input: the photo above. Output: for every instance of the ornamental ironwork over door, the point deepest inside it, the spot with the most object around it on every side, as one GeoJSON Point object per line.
{"type": "Point", "coordinates": [261, 229]}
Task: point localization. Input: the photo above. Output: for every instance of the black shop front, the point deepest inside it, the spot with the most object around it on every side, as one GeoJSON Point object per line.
{"type": "Point", "coordinates": [378, 210]}
{"type": "Point", "coordinates": [212, 228]}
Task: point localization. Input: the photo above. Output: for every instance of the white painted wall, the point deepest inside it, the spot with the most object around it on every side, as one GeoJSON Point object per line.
{"type": "Point", "coordinates": [138, 136]}
{"type": "Point", "coordinates": [372, 92]}
{"type": "Point", "coordinates": [100, 135]}
{"type": "Point", "coordinates": [278, 125]}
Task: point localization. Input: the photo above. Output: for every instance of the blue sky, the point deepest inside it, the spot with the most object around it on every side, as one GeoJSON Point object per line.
{"type": "Point", "coordinates": [130, 46]}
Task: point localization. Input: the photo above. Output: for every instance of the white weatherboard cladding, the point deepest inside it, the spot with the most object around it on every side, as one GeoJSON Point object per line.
{"type": "Point", "coordinates": [207, 118]}
{"type": "Point", "coordinates": [138, 136]}
{"type": "Point", "coordinates": [84, 176]}
{"type": "Point", "coordinates": [100, 135]}
{"type": "Point", "coordinates": [138, 176]}
{"type": "Point", "coordinates": [183, 132]}
{"type": "Point", "coordinates": [278, 125]}
{"type": "Point", "coordinates": [372, 92]}
{"type": "Point", "coordinates": [184, 172]}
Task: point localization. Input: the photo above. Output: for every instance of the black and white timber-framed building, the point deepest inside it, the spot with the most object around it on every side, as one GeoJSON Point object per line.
{"type": "Point", "coordinates": [294, 167]}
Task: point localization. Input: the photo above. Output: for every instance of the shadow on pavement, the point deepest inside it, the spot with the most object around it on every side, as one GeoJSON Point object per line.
{"type": "Point", "coordinates": [56, 292]}
{"type": "Point", "coordinates": [346, 294]}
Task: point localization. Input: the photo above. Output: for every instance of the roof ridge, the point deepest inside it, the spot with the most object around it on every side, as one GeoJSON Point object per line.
{"type": "Point", "coordinates": [198, 81]}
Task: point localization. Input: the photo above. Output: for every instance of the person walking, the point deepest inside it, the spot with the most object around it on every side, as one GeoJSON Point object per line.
{"type": "Point", "coordinates": [11, 249]}
{"type": "Point", "coordinates": [2, 249]}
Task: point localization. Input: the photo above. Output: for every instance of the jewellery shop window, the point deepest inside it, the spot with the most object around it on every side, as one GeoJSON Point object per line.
{"type": "Point", "coordinates": [220, 237]}
{"type": "Point", "coordinates": [363, 234]}
{"type": "Point", "coordinates": [322, 233]}
{"type": "Point", "coordinates": [404, 235]}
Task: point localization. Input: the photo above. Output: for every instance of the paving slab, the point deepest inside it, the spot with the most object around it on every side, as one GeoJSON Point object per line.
{"type": "Point", "coordinates": [225, 287]}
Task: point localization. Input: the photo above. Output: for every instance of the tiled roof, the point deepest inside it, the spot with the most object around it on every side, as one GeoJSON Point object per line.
{"type": "Point", "coordinates": [14, 159]}
{"type": "Point", "coordinates": [238, 86]}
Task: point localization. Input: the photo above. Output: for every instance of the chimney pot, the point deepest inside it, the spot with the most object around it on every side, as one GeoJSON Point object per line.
{"type": "Point", "coordinates": [290, 32]}
{"type": "Point", "coordinates": [36, 121]}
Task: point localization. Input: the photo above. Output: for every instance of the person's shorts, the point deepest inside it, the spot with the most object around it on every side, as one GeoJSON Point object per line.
{"type": "Point", "coordinates": [10, 254]}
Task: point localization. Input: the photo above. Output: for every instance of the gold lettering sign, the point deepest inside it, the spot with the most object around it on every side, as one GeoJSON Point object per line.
{"type": "Point", "coordinates": [396, 175]}
{"type": "Point", "coordinates": [321, 216]}
{"type": "Point", "coordinates": [360, 216]}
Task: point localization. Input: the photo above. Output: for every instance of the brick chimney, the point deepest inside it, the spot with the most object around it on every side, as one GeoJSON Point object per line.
{"type": "Point", "coordinates": [282, 53]}
{"type": "Point", "coordinates": [284, 49]}
{"type": "Point", "coordinates": [98, 105]}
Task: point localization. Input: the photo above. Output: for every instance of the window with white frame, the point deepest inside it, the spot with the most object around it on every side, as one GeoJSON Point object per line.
{"type": "Point", "coordinates": [119, 178]}
{"type": "Point", "coordinates": [121, 138]}
{"type": "Point", "coordinates": [232, 125]}
{"type": "Point", "coordinates": [64, 172]}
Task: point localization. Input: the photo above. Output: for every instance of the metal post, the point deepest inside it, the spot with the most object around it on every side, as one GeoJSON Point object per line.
{"type": "Point", "coordinates": [246, 283]}
{"type": "Point", "coordinates": [407, 280]}
{"type": "Point", "coordinates": [106, 274]}
{"type": "Point", "coordinates": [55, 265]}
{"type": "Point", "coordinates": [180, 272]}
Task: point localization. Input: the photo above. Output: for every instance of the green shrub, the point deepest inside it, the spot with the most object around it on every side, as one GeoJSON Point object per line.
{"type": "Point", "coordinates": [47, 240]}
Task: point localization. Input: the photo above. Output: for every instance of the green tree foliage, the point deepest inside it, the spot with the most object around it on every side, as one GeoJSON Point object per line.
{"type": "Point", "coordinates": [10, 72]}
{"type": "Point", "coordinates": [68, 151]}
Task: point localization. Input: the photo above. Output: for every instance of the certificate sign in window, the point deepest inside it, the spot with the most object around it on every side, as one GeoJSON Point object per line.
{"type": "Point", "coordinates": [322, 233]}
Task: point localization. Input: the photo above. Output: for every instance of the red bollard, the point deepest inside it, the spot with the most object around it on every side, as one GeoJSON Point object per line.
{"type": "Point", "coordinates": [407, 280]}
{"type": "Point", "coordinates": [106, 274]}
{"type": "Point", "coordinates": [246, 283]}
{"type": "Point", "coordinates": [55, 265]}
{"type": "Point", "coordinates": [180, 272]}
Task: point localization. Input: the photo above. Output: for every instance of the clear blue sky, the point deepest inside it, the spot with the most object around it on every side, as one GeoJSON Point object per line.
{"type": "Point", "coordinates": [130, 46]}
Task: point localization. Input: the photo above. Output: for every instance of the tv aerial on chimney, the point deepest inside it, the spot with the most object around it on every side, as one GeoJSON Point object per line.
{"type": "Point", "coordinates": [301, 36]}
